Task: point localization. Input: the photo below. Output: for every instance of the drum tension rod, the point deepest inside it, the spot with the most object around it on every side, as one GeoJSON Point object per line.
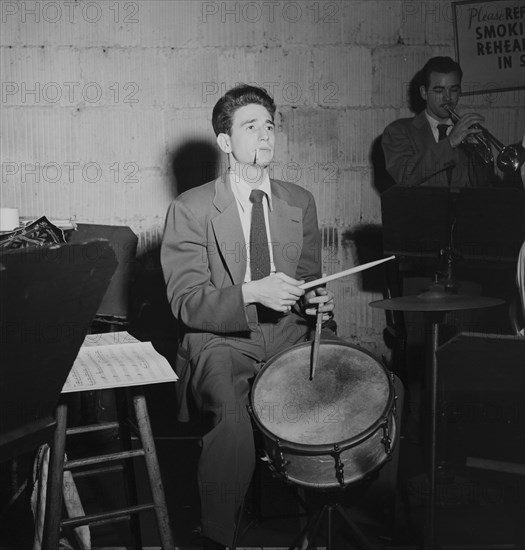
{"type": "Point", "coordinates": [282, 462]}
{"type": "Point", "coordinates": [386, 440]}
{"type": "Point", "coordinates": [339, 466]}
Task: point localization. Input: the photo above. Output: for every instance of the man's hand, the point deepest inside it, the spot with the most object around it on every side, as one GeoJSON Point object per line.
{"type": "Point", "coordinates": [324, 298]}
{"type": "Point", "coordinates": [463, 128]}
{"type": "Point", "coordinates": [277, 291]}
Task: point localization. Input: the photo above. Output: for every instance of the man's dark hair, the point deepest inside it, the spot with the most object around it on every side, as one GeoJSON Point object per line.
{"type": "Point", "coordinates": [442, 65]}
{"type": "Point", "coordinates": [240, 96]}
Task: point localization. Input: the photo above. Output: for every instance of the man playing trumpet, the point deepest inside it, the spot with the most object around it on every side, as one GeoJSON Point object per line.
{"type": "Point", "coordinates": [431, 149]}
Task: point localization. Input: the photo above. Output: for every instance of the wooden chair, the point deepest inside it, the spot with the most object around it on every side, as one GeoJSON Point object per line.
{"type": "Point", "coordinates": [106, 463]}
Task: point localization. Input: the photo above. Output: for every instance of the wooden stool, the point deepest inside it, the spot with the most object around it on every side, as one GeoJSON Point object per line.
{"type": "Point", "coordinates": [57, 465]}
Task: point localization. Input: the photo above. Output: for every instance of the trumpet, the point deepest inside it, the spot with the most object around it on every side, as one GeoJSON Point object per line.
{"type": "Point", "coordinates": [510, 157]}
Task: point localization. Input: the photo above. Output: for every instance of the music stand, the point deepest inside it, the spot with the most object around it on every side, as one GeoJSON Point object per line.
{"type": "Point", "coordinates": [414, 221]}
{"type": "Point", "coordinates": [49, 297]}
{"type": "Point", "coordinates": [485, 227]}
{"type": "Point", "coordinates": [488, 222]}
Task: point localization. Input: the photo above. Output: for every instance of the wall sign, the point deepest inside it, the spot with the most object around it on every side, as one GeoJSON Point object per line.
{"type": "Point", "coordinates": [490, 44]}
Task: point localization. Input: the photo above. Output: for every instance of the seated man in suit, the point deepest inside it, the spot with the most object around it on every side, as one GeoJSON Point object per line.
{"type": "Point", "coordinates": [233, 267]}
{"type": "Point", "coordinates": [429, 149]}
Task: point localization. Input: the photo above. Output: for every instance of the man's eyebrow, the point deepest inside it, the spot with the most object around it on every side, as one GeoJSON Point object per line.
{"type": "Point", "coordinates": [252, 120]}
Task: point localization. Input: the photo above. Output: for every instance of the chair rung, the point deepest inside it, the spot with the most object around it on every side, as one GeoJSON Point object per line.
{"type": "Point", "coordinates": [106, 516]}
{"type": "Point", "coordinates": [93, 471]}
{"type": "Point", "coordinates": [92, 428]}
{"type": "Point", "coordinates": [77, 463]}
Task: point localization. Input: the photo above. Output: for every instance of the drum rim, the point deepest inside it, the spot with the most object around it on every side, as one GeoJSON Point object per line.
{"type": "Point", "coordinates": [318, 448]}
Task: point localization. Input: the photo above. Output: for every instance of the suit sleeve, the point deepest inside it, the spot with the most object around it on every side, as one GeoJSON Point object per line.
{"type": "Point", "coordinates": [411, 165]}
{"type": "Point", "coordinates": [195, 300]}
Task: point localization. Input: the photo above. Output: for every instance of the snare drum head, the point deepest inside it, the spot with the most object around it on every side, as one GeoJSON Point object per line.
{"type": "Point", "coordinates": [349, 394]}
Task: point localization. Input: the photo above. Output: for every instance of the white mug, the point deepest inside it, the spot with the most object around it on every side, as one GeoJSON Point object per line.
{"type": "Point", "coordinates": [9, 219]}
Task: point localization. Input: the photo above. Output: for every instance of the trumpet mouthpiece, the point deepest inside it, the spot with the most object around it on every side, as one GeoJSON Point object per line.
{"type": "Point", "coordinates": [453, 115]}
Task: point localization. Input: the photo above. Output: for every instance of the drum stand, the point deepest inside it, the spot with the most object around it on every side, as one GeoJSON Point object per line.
{"type": "Point", "coordinates": [306, 539]}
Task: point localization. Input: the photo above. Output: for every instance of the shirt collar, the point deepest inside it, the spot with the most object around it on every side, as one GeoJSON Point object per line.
{"type": "Point", "coordinates": [434, 123]}
{"type": "Point", "coordinates": [241, 190]}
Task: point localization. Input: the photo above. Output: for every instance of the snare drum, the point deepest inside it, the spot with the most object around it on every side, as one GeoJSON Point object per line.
{"type": "Point", "coordinates": [330, 431]}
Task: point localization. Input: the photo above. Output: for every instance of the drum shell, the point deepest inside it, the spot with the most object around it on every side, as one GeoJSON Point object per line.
{"type": "Point", "coordinates": [314, 463]}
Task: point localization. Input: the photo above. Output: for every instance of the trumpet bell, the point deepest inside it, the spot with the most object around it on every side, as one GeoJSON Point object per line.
{"type": "Point", "coordinates": [511, 158]}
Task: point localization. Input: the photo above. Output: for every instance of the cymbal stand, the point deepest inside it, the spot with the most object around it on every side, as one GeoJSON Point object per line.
{"type": "Point", "coordinates": [433, 340]}
{"type": "Point", "coordinates": [448, 279]}
{"type": "Point", "coordinates": [449, 254]}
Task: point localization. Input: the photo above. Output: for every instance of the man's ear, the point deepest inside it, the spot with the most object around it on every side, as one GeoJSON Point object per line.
{"type": "Point", "coordinates": [224, 142]}
{"type": "Point", "coordinates": [423, 92]}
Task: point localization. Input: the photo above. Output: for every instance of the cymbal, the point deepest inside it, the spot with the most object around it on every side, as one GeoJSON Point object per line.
{"type": "Point", "coordinates": [436, 300]}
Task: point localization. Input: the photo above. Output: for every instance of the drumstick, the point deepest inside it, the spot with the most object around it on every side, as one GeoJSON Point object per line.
{"type": "Point", "coordinates": [334, 276]}
{"type": "Point", "coordinates": [317, 340]}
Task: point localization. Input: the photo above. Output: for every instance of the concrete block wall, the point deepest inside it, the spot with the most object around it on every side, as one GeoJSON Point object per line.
{"type": "Point", "coordinates": [103, 102]}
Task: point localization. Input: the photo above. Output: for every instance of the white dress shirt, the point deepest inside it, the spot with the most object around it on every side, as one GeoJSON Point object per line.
{"type": "Point", "coordinates": [434, 126]}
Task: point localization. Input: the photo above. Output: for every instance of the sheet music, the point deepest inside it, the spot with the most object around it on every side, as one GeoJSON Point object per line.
{"type": "Point", "coordinates": [116, 359]}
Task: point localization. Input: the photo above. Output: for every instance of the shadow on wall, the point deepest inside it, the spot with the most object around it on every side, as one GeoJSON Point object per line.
{"type": "Point", "coordinates": [381, 179]}
{"type": "Point", "coordinates": [415, 102]}
{"type": "Point", "coordinates": [368, 242]}
{"type": "Point", "coordinates": [193, 164]}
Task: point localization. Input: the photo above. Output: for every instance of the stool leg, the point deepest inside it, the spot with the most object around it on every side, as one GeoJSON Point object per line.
{"type": "Point", "coordinates": [51, 534]}
{"type": "Point", "coordinates": [152, 465]}
{"type": "Point", "coordinates": [129, 468]}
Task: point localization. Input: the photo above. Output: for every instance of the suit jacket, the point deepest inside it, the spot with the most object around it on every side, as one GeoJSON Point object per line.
{"type": "Point", "coordinates": [413, 157]}
{"type": "Point", "coordinates": [203, 257]}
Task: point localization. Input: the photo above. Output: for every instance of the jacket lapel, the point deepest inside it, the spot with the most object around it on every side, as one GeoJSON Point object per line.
{"type": "Point", "coordinates": [424, 137]}
{"type": "Point", "coordinates": [286, 226]}
{"type": "Point", "coordinates": [228, 232]}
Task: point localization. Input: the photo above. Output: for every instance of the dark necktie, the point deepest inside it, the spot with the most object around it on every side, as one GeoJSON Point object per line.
{"type": "Point", "coordinates": [442, 131]}
{"type": "Point", "coordinates": [259, 253]}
